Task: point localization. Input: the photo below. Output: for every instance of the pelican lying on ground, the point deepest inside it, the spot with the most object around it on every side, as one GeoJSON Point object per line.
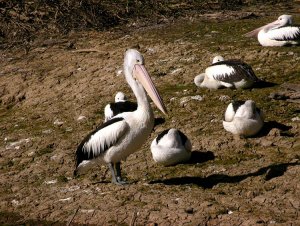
{"type": "Point", "coordinates": [171, 147]}
{"type": "Point", "coordinates": [124, 134]}
{"type": "Point", "coordinates": [121, 105]}
{"type": "Point", "coordinates": [243, 118]}
{"type": "Point", "coordinates": [226, 73]}
{"type": "Point", "coordinates": [278, 33]}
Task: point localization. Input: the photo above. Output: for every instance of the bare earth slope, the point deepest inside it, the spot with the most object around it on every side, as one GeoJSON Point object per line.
{"type": "Point", "coordinates": [229, 182]}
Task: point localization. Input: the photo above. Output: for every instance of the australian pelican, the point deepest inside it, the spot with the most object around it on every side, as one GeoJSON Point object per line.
{"type": "Point", "coordinates": [281, 32]}
{"type": "Point", "coordinates": [243, 118]}
{"type": "Point", "coordinates": [226, 73]}
{"type": "Point", "coordinates": [171, 147]}
{"type": "Point", "coordinates": [124, 134]}
{"type": "Point", "coordinates": [120, 105]}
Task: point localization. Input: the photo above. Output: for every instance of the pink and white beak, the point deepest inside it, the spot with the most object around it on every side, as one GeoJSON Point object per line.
{"type": "Point", "coordinates": [142, 75]}
{"type": "Point", "coordinates": [255, 32]}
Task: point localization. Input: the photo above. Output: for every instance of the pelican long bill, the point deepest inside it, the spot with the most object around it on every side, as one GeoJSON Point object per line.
{"type": "Point", "coordinates": [142, 75]}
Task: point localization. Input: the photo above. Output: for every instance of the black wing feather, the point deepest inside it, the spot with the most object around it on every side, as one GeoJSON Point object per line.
{"type": "Point", "coordinates": [82, 155]}
{"type": "Point", "coordinates": [242, 70]}
{"type": "Point", "coordinates": [120, 107]}
{"type": "Point", "coordinates": [295, 37]}
{"type": "Point", "coordinates": [182, 136]}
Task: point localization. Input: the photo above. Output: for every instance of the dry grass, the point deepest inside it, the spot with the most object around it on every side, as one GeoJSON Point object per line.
{"type": "Point", "coordinates": [21, 21]}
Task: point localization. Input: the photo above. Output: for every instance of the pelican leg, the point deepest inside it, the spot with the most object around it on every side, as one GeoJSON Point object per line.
{"type": "Point", "coordinates": [118, 173]}
{"type": "Point", "coordinates": [115, 173]}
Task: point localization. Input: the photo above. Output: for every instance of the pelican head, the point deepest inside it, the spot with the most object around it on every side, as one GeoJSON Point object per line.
{"type": "Point", "coordinates": [281, 21]}
{"type": "Point", "coordinates": [120, 97]}
{"type": "Point", "coordinates": [285, 20]}
{"type": "Point", "coordinates": [217, 59]}
{"type": "Point", "coordinates": [135, 72]}
{"type": "Point", "coordinates": [247, 110]}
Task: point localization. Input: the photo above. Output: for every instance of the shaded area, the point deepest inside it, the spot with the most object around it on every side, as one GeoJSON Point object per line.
{"type": "Point", "coordinates": [272, 171]}
{"type": "Point", "coordinates": [268, 126]}
{"type": "Point", "coordinates": [264, 84]}
{"type": "Point", "coordinates": [159, 121]}
{"type": "Point", "coordinates": [200, 157]}
{"type": "Point", "coordinates": [26, 18]}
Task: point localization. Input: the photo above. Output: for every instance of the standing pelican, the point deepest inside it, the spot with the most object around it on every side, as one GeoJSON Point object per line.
{"type": "Point", "coordinates": [124, 134]}
{"type": "Point", "coordinates": [121, 105]}
{"type": "Point", "coordinates": [243, 118]}
{"type": "Point", "coordinates": [226, 73]}
{"type": "Point", "coordinates": [171, 147]}
{"type": "Point", "coordinates": [281, 32]}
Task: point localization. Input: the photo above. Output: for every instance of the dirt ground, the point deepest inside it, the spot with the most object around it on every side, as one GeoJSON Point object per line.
{"type": "Point", "coordinates": [53, 92]}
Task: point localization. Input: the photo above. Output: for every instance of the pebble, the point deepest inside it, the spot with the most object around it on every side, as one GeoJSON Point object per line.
{"type": "Point", "coordinates": [65, 200]}
{"type": "Point", "coordinates": [296, 119]}
{"type": "Point", "coordinates": [57, 122]}
{"type": "Point", "coordinates": [15, 202]}
{"type": "Point", "coordinates": [175, 71]}
{"type": "Point", "coordinates": [51, 182]}
{"type": "Point", "coordinates": [189, 210]}
{"type": "Point", "coordinates": [119, 72]}
{"type": "Point", "coordinates": [47, 131]}
{"type": "Point", "coordinates": [197, 97]}
{"type": "Point", "coordinates": [224, 98]}
{"type": "Point", "coordinates": [81, 118]}
{"type": "Point", "coordinates": [184, 100]}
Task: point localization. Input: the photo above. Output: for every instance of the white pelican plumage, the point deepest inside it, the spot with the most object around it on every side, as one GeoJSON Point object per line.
{"type": "Point", "coordinates": [243, 118]}
{"type": "Point", "coordinates": [124, 134]}
{"type": "Point", "coordinates": [120, 105]}
{"type": "Point", "coordinates": [281, 32]}
{"type": "Point", "coordinates": [171, 147]}
{"type": "Point", "coordinates": [226, 73]}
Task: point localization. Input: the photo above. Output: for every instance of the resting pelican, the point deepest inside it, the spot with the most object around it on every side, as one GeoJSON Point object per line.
{"type": "Point", "coordinates": [171, 147]}
{"type": "Point", "coordinates": [281, 32]}
{"type": "Point", "coordinates": [243, 118]}
{"type": "Point", "coordinates": [121, 105]}
{"type": "Point", "coordinates": [226, 73]}
{"type": "Point", "coordinates": [124, 134]}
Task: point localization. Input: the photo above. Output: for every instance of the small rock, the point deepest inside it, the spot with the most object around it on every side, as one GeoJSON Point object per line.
{"type": "Point", "coordinates": [119, 72]}
{"type": "Point", "coordinates": [57, 122]}
{"type": "Point", "coordinates": [81, 118]}
{"type": "Point", "coordinates": [197, 97]}
{"type": "Point", "coordinates": [47, 131]}
{"type": "Point", "coordinates": [69, 129]}
{"type": "Point", "coordinates": [224, 98]}
{"type": "Point", "coordinates": [266, 143]}
{"type": "Point", "coordinates": [15, 202]}
{"type": "Point", "coordinates": [278, 96]}
{"type": "Point", "coordinates": [296, 119]}
{"type": "Point", "coordinates": [51, 182]}
{"type": "Point", "coordinates": [274, 132]}
{"type": "Point", "coordinates": [65, 200]}
{"type": "Point", "coordinates": [189, 210]}
{"type": "Point", "coordinates": [259, 199]}
{"type": "Point", "coordinates": [184, 100]}
{"type": "Point", "coordinates": [175, 71]}
{"type": "Point", "coordinates": [30, 153]}
{"type": "Point", "coordinates": [230, 212]}
{"type": "Point", "coordinates": [173, 99]}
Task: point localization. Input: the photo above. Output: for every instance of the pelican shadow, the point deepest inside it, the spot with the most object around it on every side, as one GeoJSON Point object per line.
{"type": "Point", "coordinates": [159, 121]}
{"type": "Point", "coordinates": [263, 84]}
{"type": "Point", "coordinates": [272, 171]}
{"type": "Point", "coordinates": [200, 157]}
{"type": "Point", "coordinates": [268, 126]}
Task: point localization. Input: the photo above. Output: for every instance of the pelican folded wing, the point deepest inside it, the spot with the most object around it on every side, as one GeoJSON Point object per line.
{"type": "Point", "coordinates": [101, 139]}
